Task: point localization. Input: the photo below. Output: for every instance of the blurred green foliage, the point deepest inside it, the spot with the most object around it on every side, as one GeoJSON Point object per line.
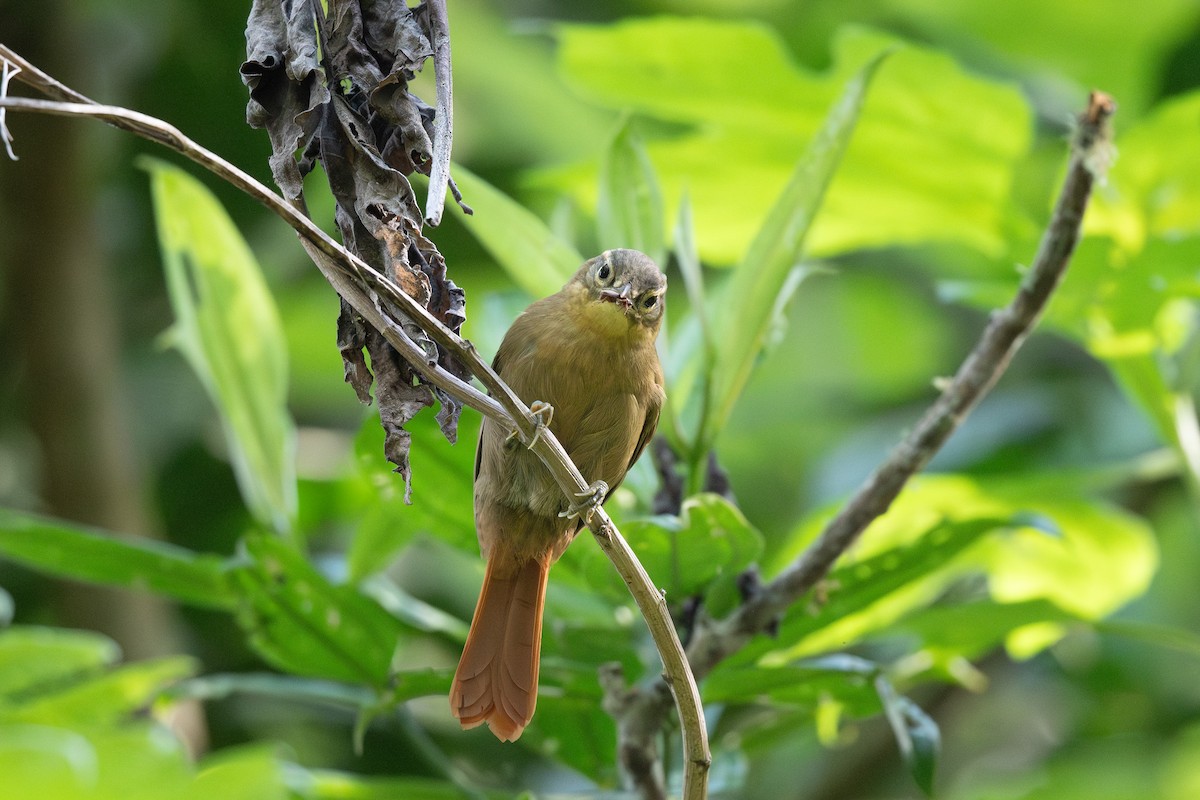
{"type": "Point", "coordinates": [1032, 597]}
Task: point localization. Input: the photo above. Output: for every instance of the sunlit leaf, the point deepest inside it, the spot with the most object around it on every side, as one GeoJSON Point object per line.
{"type": "Point", "coordinates": [742, 129]}
{"type": "Point", "coordinates": [870, 592]}
{"type": "Point", "coordinates": [228, 329]}
{"type": "Point", "coordinates": [136, 761]}
{"type": "Point", "coordinates": [1099, 559]}
{"type": "Point", "coordinates": [73, 551]}
{"type": "Point", "coordinates": [244, 773]}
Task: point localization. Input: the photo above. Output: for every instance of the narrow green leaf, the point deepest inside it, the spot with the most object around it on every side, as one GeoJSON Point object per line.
{"type": "Point", "coordinates": [270, 684]}
{"type": "Point", "coordinates": [630, 210]}
{"type": "Point", "coordinates": [300, 622]}
{"type": "Point", "coordinates": [916, 734]}
{"type": "Point", "coordinates": [228, 329]}
{"type": "Point", "coordinates": [32, 657]}
{"type": "Point", "coordinates": [1178, 639]}
{"type": "Point", "coordinates": [869, 594]}
{"type": "Point", "coordinates": [72, 551]}
{"type": "Point", "coordinates": [537, 260]}
{"type": "Point", "coordinates": [99, 699]}
{"type": "Point", "coordinates": [767, 274]}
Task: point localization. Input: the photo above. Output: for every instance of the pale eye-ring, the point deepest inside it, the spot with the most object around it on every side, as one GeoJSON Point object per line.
{"type": "Point", "coordinates": [604, 273]}
{"type": "Point", "coordinates": [650, 301]}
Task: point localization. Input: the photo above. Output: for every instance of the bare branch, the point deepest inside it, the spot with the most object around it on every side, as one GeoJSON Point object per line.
{"type": "Point", "coordinates": [370, 293]}
{"type": "Point", "coordinates": [985, 364]}
{"type": "Point", "coordinates": [716, 640]}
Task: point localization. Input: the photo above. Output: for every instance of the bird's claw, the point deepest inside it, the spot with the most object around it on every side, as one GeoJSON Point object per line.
{"type": "Point", "coordinates": [589, 501]}
{"type": "Point", "coordinates": [543, 413]}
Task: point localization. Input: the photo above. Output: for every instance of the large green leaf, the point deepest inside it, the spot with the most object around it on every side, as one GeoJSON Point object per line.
{"type": "Point", "coordinates": [228, 329]}
{"type": "Point", "coordinates": [300, 622]}
{"type": "Point", "coordinates": [1081, 556]}
{"type": "Point", "coordinates": [684, 555]}
{"type": "Point", "coordinates": [933, 159]}
{"type": "Point", "coordinates": [72, 551]}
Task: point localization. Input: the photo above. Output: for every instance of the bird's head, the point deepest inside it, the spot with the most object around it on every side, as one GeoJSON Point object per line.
{"type": "Point", "coordinates": [627, 282]}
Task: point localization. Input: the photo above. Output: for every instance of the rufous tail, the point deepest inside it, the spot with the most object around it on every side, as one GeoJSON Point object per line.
{"type": "Point", "coordinates": [497, 677]}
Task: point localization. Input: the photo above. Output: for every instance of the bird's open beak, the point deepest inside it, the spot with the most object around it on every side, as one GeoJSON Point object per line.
{"type": "Point", "coordinates": [620, 296]}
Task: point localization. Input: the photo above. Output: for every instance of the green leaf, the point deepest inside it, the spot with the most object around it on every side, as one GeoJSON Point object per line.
{"type": "Point", "coordinates": [269, 684]}
{"type": "Point", "coordinates": [253, 772]}
{"type": "Point", "coordinates": [537, 260]}
{"type": "Point", "coordinates": [768, 274]}
{"type": "Point", "coordinates": [136, 761]}
{"type": "Point", "coordinates": [630, 210]}
{"type": "Point", "coordinates": [73, 551]}
{"type": "Point", "coordinates": [915, 731]}
{"type": "Point", "coordinates": [32, 657]}
{"type": "Point", "coordinates": [870, 592]}
{"type": "Point", "coordinates": [99, 699]}
{"type": "Point", "coordinates": [443, 492]}
{"type": "Point", "coordinates": [228, 329]}
{"type": "Point", "coordinates": [301, 623]}
{"type": "Point", "coordinates": [933, 160]}
{"type": "Point", "coordinates": [804, 685]}
{"type": "Point", "coordinates": [684, 555]}
{"type": "Point", "coordinates": [935, 534]}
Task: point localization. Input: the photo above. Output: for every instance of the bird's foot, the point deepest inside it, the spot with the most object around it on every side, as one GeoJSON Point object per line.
{"type": "Point", "coordinates": [543, 413]}
{"type": "Point", "coordinates": [589, 501]}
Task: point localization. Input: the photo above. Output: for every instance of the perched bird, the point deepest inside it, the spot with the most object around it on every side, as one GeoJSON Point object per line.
{"type": "Point", "coordinates": [585, 360]}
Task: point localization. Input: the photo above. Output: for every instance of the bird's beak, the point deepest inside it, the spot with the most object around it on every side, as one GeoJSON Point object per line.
{"type": "Point", "coordinates": [620, 296]}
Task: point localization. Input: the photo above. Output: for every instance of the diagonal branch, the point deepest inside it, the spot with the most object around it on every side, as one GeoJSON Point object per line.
{"type": "Point", "coordinates": [984, 365]}
{"type": "Point", "coordinates": [377, 298]}
{"type": "Point", "coordinates": [716, 640]}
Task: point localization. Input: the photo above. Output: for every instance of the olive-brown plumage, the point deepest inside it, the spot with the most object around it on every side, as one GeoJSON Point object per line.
{"type": "Point", "coordinates": [588, 351]}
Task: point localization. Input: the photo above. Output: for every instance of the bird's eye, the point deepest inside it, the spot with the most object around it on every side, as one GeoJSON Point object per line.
{"type": "Point", "coordinates": [604, 273]}
{"type": "Point", "coordinates": [650, 301]}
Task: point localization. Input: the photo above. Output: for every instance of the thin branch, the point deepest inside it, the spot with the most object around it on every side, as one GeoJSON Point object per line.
{"type": "Point", "coordinates": [357, 281]}
{"type": "Point", "coordinates": [716, 640]}
{"type": "Point", "coordinates": [985, 364]}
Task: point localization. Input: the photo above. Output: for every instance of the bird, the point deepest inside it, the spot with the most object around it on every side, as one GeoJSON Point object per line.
{"type": "Point", "coordinates": [586, 360]}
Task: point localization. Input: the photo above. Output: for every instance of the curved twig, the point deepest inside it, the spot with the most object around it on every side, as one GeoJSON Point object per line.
{"type": "Point", "coordinates": [355, 280]}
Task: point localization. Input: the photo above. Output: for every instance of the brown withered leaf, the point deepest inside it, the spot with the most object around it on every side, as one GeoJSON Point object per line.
{"type": "Point", "coordinates": [399, 401]}
{"type": "Point", "coordinates": [351, 339]}
{"type": "Point", "coordinates": [329, 80]}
